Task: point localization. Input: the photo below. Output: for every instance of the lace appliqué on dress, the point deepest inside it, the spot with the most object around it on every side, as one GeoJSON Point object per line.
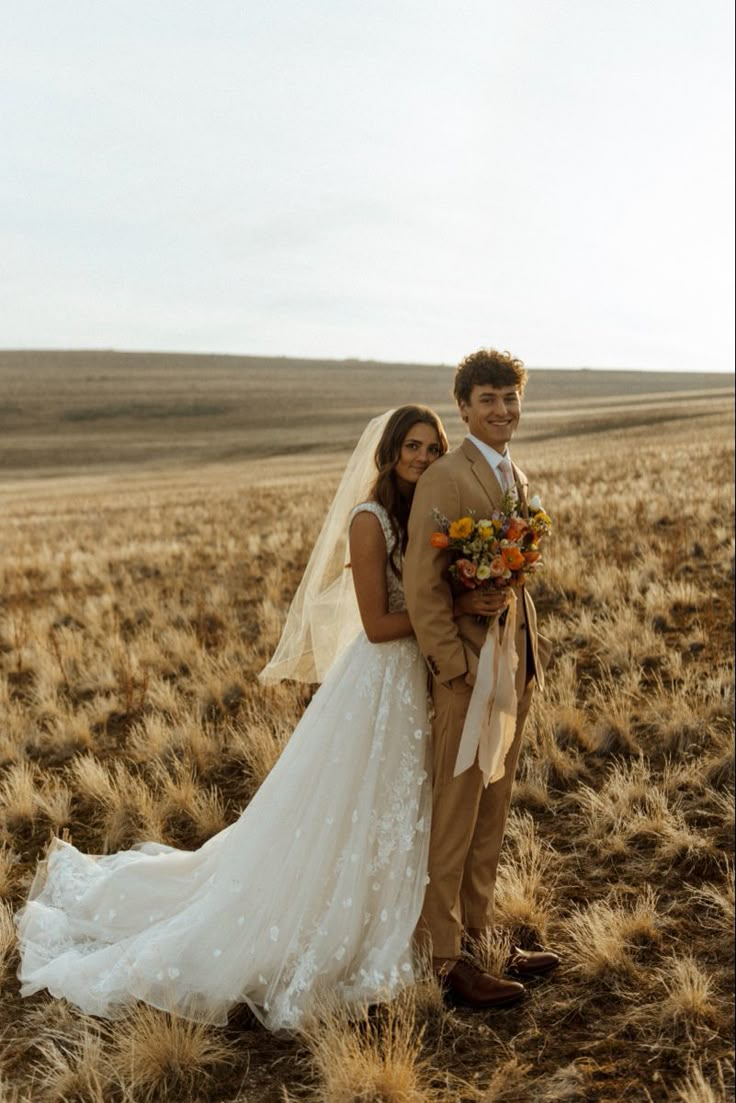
{"type": "Point", "coordinates": [396, 602]}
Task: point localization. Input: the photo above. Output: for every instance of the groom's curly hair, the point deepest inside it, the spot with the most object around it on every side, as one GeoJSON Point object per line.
{"type": "Point", "coordinates": [385, 489]}
{"type": "Point", "coordinates": [488, 367]}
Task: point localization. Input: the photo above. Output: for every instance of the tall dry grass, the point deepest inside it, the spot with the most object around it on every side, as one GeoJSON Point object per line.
{"type": "Point", "coordinates": [133, 621]}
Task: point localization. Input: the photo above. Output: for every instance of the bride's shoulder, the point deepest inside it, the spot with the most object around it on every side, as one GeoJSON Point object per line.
{"type": "Point", "coordinates": [378, 512]}
{"type": "Point", "coordinates": [370, 507]}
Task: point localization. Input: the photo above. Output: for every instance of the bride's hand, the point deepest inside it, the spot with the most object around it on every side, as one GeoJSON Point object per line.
{"type": "Point", "coordinates": [481, 603]}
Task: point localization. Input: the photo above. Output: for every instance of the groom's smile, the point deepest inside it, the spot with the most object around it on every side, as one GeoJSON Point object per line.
{"type": "Point", "coordinates": [492, 414]}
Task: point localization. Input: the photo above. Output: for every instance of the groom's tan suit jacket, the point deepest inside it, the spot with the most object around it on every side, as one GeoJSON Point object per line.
{"type": "Point", "coordinates": [460, 482]}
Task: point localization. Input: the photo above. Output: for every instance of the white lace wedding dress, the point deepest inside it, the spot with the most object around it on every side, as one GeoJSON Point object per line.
{"type": "Point", "coordinates": [316, 888]}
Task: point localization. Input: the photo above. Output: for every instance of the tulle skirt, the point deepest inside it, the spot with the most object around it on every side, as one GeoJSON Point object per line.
{"type": "Point", "coordinates": [315, 890]}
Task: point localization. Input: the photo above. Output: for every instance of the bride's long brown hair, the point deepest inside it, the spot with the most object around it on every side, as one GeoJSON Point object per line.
{"type": "Point", "coordinates": [385, 489]}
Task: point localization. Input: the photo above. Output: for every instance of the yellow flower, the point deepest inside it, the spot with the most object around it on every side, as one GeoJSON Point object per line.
{"type": "Point", "coordinates": [541, 523]}
{"type": "Point", "coordinates": [486, 530]}
{"type": "Point", "coordinates": [461, 530]}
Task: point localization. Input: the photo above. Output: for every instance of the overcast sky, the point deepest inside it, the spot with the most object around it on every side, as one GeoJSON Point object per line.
{"type": "Point", "coordinates": [388, 179]}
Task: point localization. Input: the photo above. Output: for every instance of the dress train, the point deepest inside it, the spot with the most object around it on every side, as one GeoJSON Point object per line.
{"type": "Point", "coordinates": [317, 887]}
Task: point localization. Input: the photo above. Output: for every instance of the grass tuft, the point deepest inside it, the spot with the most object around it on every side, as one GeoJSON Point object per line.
{"type": "Point", "coordinates": [689, 992]}
{"type": "Point", "coordinates": [697, 1088]}
{"type": "Point", "coordinates": [74, 1071]}
{"type": "Point", "coordinates": [7, 942]}
{"type": "Point", "coordinates": [157, 1056]}
{"type": "Point", "coordinates": [604, 938]}
{"type": "Point", "coordinates": [374, 1056]}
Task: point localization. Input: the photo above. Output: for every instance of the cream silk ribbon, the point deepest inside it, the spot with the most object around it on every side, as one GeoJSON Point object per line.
{"type": "Point", "coordinates": [490, 722]}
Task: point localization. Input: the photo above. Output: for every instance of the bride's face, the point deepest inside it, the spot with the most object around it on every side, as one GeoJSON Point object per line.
{"type": "Point", "coordinates": [420, 447]}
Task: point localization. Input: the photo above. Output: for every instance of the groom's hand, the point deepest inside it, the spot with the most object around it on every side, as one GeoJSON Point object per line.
{"type": "Point", "coordinates": [482, 603]}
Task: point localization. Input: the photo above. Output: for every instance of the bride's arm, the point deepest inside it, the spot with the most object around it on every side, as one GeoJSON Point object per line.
{"type": "Point", "coordinates": [368, 559]}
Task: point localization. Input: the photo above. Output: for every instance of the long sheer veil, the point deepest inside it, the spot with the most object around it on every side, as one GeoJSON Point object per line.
{"type": "Point", "coordinates": [323, 618]}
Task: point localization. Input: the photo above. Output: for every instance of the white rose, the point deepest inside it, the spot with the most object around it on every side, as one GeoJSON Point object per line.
{"type": "Point", "coordinates": [536, 503]}
{"type": "Point", "coordinates": [483, 572]}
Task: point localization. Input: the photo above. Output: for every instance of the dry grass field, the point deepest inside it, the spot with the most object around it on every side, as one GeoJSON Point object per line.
{"type": "Point", "coordinates": [142, 593]}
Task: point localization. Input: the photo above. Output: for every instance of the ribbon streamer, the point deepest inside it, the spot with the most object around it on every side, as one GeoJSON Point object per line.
{"type": "Point", "coordinates": [490, 722]}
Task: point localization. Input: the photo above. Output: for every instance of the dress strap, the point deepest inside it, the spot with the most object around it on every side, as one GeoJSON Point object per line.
{"type": "Point", "coordinates": [378, 510]}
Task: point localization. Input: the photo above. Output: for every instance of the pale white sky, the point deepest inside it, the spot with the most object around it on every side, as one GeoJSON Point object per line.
{"type": "Point", "coordinates": [388, 179]}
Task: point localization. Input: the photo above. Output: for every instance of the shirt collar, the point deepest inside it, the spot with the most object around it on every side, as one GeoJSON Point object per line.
{"type": "Point", "coordinates": [491, 455]}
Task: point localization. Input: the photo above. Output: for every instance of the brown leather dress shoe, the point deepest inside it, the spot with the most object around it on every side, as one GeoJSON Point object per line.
{"type": "Point", "coordinates": [465, 983]}
{"type": "Point", "coordinates": [531, 963]}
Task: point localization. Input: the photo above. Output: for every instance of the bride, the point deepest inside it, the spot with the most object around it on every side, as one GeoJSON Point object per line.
{"type": "Point", "coordinates": [318, 886]}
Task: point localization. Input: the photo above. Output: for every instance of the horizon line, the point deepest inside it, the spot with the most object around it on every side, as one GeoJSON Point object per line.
{"type": "Point", "coordinates": [355, 360]}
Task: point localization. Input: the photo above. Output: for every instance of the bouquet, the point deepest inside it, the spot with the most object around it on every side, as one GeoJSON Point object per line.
{"type": "Point", "coordinates": [496, 551]}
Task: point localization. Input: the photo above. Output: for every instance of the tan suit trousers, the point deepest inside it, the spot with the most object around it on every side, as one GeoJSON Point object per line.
{"type": "Point", "coordinates": [468, 823]}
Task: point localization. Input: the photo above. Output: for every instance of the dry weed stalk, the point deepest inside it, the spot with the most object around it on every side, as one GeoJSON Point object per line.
{"type": "Point", "coordinates": [632, 810]}
{"type": "Point", "coordinates": [697, 1088]}
{"type": "Point", "coordinates": [157, 1056]}
{"type": "Point", "coordinates": [75, 1070]}
{"type": "Point", "coordinates": [257, 743]}
{"type": "Point", "coordinates": [7, 940]}
{"type": "Point", "coordinates": [509, 1081]}
{"type": "Point", "coordinates": [569, 1084]}
{"type": "Point", "coordinates": [367, 1056]}
{"type": "Point", "coordinates": [605, 938]}
{"type": "Point", "coordinates": [719, 902]}
{"type": "Point", "coordinates": [492, 950]}
{"type": "Point", "coordinates": [525, 881]}
{"type": "Point", "coordinates": [690, 998]}
{"type": "Point", "coordinates": [8, 871]}
{"type": "Point", "coordinates": [56, 652]}
{"type": "Point", "coordinates": [19, 617]}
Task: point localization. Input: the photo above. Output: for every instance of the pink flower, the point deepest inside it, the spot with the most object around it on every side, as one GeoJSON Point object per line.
{"type": "Point", "coordinates": [466, 569]}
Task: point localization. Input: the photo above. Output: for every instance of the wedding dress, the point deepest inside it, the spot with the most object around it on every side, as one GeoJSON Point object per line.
{"type": "Point", "coordinates": [315, 889]}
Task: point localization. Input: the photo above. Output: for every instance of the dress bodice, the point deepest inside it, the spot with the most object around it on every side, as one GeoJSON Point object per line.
{"type": "Point", "coordinates": [396, 602]}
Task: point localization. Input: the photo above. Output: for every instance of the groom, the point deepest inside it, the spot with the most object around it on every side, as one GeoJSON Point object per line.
{"type": "Point", "coordinates": [468, 819]}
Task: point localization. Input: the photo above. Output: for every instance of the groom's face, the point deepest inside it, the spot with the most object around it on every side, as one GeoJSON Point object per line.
{"type": "Point", "coordinates": [492, 414]}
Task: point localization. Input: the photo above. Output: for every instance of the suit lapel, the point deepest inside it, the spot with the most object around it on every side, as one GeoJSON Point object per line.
{"type": "Point", "coordinates": [481, 470]}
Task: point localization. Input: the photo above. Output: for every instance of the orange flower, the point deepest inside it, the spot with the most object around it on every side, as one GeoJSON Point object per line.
{"type": "Point", "coordinates": [513, 558]}
{"type": "Point", "coordinates": [531, 556]}
{"type": "Point", "coordinates": [517, 527]}
{"type": "Point", "coordinates": [439, 540]}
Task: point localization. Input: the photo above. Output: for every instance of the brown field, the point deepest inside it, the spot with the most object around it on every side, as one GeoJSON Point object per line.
{"type": "Point", "coordinates": [147, 563]}
{"type": "Point", "coordinates": [65, 412]}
